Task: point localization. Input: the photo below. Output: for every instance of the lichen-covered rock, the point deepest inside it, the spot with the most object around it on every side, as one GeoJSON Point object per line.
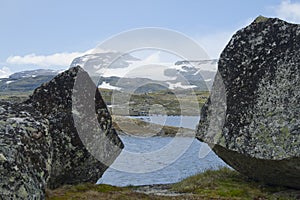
{"type": "Point", "coordinates": [254, 123]}
{"type": "Point", "coordinates": [25, 152]}
{"type": "Point", "coordinates": [43, 144]}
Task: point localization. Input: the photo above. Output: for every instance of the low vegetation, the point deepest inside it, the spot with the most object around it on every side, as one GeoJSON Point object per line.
{"type": "Point", "coordinates": [90, 191]}
{"type": "Point", "coordinates": [229, 184]}
{"type": "Point", "coordinates": [212, 184]}
{"type": "Point", "coordinates": [138, 127]}
{"type": "Point", "coordinates": [169, 102]}
{"type": "Point", "coordinates": [164, 102]}
{"type": "Point", "coordinates": [14, 96]}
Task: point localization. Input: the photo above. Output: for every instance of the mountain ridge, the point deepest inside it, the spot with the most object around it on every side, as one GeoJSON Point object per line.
{"type": "Point", "coordinates": [121, 75]}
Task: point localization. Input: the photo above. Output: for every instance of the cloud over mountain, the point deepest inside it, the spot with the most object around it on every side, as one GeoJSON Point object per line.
{"type": "Point", "coordinates": [288, 10]}
{"type": "Point", "coordinates": [4, 72]}
{"type": "Point", "coordinates": [57, 59]}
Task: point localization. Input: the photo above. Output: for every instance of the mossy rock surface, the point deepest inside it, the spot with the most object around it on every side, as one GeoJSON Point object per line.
{"type": "Point", "coordinates": [252, 116]}
{"type": "Point", "coordinates": [40, 143]}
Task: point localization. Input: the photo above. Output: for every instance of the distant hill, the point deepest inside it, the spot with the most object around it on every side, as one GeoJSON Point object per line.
{"type": "Point", "coordinates": [26, 81]}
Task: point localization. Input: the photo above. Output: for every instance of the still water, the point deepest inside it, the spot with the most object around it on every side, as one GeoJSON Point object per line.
{"type": "Point", "coordinates": [159, 160]}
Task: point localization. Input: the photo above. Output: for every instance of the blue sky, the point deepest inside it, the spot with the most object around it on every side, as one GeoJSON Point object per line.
{"type": "Point", "coordinates": [48, 34]}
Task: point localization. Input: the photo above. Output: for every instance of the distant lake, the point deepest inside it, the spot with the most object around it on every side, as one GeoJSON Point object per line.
{"type": "Point", "coordinates": [160, 160]}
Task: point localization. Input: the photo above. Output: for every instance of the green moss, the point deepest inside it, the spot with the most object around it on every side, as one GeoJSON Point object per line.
{"type": "Point", "coordinates": [270, 114]}
{"type": "Point", "coordinates": [261, 18]}
{"type": "Point", "coordinates": [264, 135]}
{"type": "Point", "coordinates": [285, 131]}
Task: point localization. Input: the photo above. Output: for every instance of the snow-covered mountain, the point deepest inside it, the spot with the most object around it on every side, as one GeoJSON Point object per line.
{"type": "Point", "coordinates": [197, 71]}
{"type": "Point", "coordinates": [34, 73]}
{"type": "Point", "coordinates": [125, 72]}
{"type": "Point", "coordinates": [93, 62]}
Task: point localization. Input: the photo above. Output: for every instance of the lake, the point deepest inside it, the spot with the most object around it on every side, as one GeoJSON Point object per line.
{"type": "Point", "coordinates": [161, 160]}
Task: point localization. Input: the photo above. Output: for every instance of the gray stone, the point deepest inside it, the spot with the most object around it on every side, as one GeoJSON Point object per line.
{"type": "Point", "coordinates": [252, 119]}
{"type": "Point", "coordinates": [41, 144]}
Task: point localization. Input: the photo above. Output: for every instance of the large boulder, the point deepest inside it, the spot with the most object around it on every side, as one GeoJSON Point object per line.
{"type": "Point", "coordinates": [25, 152]}
{"type": "Point", "coordinates": [252, 118]}
{"type": "Point", "coordinates": [51, 138]}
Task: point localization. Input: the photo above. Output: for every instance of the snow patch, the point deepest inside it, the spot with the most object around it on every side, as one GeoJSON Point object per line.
{"type": "Point", "coordinates": [172, 86]}
{"type": "Point", "coordinates": [9, 82]}
{"type": "Point", "coordinates": [178, 68]}
{"type": "Point", "coordinates": [106, 85]}
{"type": "Point", "coordinates": [139, 69]}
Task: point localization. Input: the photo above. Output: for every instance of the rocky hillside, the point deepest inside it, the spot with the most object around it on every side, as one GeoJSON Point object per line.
{"type": "Point", "coordinates": [252, 116]}
{"type": "Point", "coordinates": [58, 136]}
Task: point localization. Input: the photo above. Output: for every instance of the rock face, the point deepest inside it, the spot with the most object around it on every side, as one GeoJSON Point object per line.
{"type": "Point", "coordinates": [45, 141]}
{"type": "Point", "coordinates": [25, 153]}
{"type": "Point", "coordinates": [253, 121]}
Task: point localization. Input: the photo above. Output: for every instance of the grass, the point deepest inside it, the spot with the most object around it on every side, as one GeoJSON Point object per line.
{"type": "Point", "coordinates": [14, 96]}
{"type": "Point", "coordinates": [229, 184]}
{"type": "Point", "coordinates": [179, 103]}
{"type": "Point", "coordinates": [90, 191]}
{"type": "Point", "coordinates": [212, 184]}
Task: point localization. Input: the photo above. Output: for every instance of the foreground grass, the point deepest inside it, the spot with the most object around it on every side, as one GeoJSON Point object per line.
{"type": "Point", "coordinates": [218, 184]}
{"type": "Point", "coordinates": [229, 184]}
{"type": "Point", "coordinates": [90, 191]}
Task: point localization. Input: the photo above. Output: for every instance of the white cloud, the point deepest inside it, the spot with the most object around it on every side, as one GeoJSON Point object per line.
{"type": "Point", "coordinates": [5, 72]}
{"type": "Point", "coordinates": [214, 44]}
{"type": "Point", "coordinates": [288, 11]}
{"type": "Point", "coordinates": [106, 85]}
{"type": "Point", "coordinates": [57, 59]}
